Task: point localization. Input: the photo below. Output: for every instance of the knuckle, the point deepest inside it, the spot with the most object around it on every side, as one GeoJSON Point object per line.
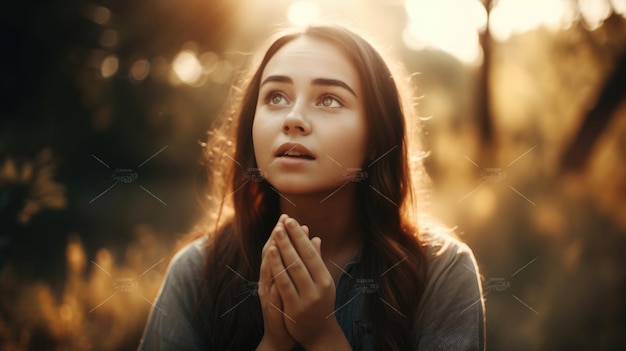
{"type": "Point", "coordinates": [314, 296]}
{"type": "Point", "coordinates": [325, 283]}
{"type": "Point", "coordinates": [283, 283]}
{"type": "Point", "coordinates": [297, 268]}
{"type": "Point", "coordinates": [309, 253]}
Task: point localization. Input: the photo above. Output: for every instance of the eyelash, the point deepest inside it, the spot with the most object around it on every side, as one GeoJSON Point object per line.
{"type": "Point", "coordinates": [272, 94]}
{"type": "Point", "coordinates": [328, 95]}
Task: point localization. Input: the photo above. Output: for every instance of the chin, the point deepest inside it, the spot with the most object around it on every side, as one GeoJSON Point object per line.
{"type": "Point", "coordinates": [297, 187]}
{"type": "Point", "coordinates": [291, 187]}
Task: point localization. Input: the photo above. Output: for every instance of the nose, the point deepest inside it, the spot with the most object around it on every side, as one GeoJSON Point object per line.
{"type": "Point", "coordinates": [296, 122]}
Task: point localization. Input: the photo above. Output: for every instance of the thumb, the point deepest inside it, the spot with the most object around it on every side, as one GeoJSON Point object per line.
{"type": "Point", "coordinates": [317, 243]}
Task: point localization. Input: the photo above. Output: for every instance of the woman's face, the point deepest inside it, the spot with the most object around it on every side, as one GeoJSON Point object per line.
{"type": "Point", "coordinates": [309, 129]}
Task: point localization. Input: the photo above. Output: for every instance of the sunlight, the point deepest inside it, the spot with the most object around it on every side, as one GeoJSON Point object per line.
{"type": "Point", "coordinates": [187, 67]}
{"type": "Point", "coordinates": [302, 13]}
{"type": "Point", "coordinates": [594, 12]}
{"type": "Point", "coordinates": [619, 6]}
{"type": "Point", "coordinates": [511, 17]}
{"type": "Point", "coordinates": [448, 25]}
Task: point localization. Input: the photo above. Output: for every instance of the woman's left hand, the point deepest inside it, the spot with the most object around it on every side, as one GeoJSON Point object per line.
{"type": "Point", "coordinates": [305, 285]}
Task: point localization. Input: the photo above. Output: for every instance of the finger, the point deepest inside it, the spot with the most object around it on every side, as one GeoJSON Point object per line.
{"type": "Point", "coordinates": [283, 217]}
{"type": "Point", "coordinates": [279, 225]}
{"type": "Point", "coordinates": [281, 278]}
{"type": "Point", "coordinates": [317, 243]}
{"type": "Point", "coordinates": [296, 268]}
{"type": "Point", "coordinates": [275, 297]}
{"type": "Point", "coordinates": [265, 278]}
{"type": "Point", "coordinates": [305, 228]}
{"type": "Point", "coordinates": [305, 249]}
{"type": "Point", "coordinates": [276, 308]}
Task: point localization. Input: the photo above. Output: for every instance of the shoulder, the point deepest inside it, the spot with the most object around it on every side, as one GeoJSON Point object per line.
{"type": "Point", "coordinates": [450, 262]}
{"type": "Point", "coordinates": [443, 248]}
{"type": "Point", "coordinates": [452, 306]}
{"type": "Point", "coordinates": [190, 259]}
{"type": "Point", "coordinates": [171, 323]}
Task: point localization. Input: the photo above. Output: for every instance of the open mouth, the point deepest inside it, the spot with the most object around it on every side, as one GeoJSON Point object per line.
{"type": "Point", "coordinates": [294, 150]}
{"type": "Point", "coordinates": [296, 154]}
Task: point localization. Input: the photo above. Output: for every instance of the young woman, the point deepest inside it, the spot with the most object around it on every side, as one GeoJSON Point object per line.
{"type": "Point", "coordinates": [316, 244]}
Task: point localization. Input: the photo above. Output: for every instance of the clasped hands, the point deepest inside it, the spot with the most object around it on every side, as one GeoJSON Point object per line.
{"type": "Point", "coordinates": [296, 290]}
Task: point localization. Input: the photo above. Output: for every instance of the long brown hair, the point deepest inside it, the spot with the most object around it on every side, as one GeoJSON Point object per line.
{"type": "Point", "coordinates": [246, 208]}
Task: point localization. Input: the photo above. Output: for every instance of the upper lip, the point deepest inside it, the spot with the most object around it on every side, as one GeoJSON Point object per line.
{"type": "Point", "coordinates": [286, 147]}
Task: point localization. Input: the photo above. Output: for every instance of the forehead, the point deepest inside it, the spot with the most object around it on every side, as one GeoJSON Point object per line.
{"type": "Point", "coordinates": [311, 57]}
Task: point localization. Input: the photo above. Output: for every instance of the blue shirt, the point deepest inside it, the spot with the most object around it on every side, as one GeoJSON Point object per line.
{"type": "Point", "coordinates": [450, 314]}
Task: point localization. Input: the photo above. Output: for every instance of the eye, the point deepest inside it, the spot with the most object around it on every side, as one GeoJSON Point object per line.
{"type": "Point", "coordinates": [329, 101]}
{"type": "Point", "coordinates": [276, 98]}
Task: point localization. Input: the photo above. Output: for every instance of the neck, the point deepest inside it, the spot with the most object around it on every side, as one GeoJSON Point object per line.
{"type": "Point", "coordinates": [331, 217]}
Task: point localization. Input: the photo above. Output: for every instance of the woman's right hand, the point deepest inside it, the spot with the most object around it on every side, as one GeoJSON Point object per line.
{"type": "Point", "coordinates": [275, 336]}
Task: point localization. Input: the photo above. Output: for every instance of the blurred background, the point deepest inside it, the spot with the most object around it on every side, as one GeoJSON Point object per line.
{"type": "Point", "coordinates": [103, 105]}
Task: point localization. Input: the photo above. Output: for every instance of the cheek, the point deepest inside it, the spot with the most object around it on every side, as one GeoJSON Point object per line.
{"type": "Point", "coordinates": [350, 147]}
{"type": "Point", "coordinates": [360, 142]}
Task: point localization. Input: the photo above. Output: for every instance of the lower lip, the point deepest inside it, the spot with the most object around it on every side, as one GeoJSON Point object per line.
{"type": "Point", "coordinates": [292, 161]}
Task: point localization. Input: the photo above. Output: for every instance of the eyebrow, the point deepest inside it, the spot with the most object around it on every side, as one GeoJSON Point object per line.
{"type": "Point", "coordinates": [317, 81]}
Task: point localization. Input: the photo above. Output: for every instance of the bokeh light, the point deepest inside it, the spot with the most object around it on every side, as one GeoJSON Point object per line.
{"type": "Point", "coordinates": [140, 70]}
{"type": "Point", "coordinates": [448, 25]}
{"type": "Point", "coordinates": [101, 15]}
{"type": "Point", "coordinates": [109, 66]}
{"type": "Point", "coordinates": [108, 38]}
{"type": "Point", "coordinates": [187, 67]}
